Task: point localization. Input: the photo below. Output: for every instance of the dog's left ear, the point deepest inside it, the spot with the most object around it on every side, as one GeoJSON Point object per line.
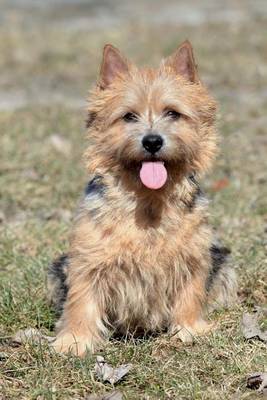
{"type": "Point", "coordinates": [183, 62]}
{"type": "Point", "coordinates": [113, 64]}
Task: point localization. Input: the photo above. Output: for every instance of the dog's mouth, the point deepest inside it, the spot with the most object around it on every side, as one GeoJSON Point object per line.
{"type": "Point", "coordinates": [156, 171]}
{"type": "Point", "coordinates": [152, 171]}
{"type": "Point", "coordinates": [153, 174]}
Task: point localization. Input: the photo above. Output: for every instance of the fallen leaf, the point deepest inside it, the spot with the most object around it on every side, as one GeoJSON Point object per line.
{"type": "Point", "coordinates": [31, 335]}
{"type": "Point", "coordinates": [250, 327]}
{"type": "Point", "coordinates": [61, 144]}
{"type": "Point", "coordinates": [109, 374]}
{"type": "Point", "coordinates": [220, 184]}
{"type": "Point", "coordinates": [107, 396]}
{"type": "Point", "coordinates": [258, 381]}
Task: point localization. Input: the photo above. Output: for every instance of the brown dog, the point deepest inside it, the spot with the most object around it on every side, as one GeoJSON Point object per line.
{"type": "Point", "coordinates": [142, 254]}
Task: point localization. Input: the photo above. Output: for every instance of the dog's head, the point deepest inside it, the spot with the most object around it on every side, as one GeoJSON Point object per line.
{"type": "Point", "coordinates": [153, 125]}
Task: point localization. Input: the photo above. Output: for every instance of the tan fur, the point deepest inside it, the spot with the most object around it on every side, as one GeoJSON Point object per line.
{"type": "Point", "coordinates": [140, 258]}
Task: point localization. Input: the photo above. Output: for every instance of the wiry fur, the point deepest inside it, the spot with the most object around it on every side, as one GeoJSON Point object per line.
{"type": "Point", "coordinates": [140, 258]}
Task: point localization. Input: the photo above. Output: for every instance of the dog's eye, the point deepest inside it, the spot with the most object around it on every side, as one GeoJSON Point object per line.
{"type": "Point", "coordinates": [130, 117]}
{"type": "Point", "coordinates": [172, 114]}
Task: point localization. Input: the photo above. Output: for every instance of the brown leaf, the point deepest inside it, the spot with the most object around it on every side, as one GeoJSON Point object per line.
{"type": "Point", "coordinates": [107, 396]}
{"type": "Point", "coordinates": [31, 335]}
{"type": "Point", "coordinates": [220, 184]}
{"type": "Point", "coordinates": [109, 374]}
{"type": "Point", "coordinates": [250, 327]}
{"type": "Point", "coordinates": [258, 381]}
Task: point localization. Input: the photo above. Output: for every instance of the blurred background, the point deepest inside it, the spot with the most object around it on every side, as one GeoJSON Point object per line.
{"type": "Point", "coordinates": [50, 49]}
{"type": "Point", "coordinates": [50, 54]}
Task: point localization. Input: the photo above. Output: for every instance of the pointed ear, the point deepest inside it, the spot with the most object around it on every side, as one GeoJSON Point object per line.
{"type": "Point", "coordinates": [183, 62]}
{"type": "Point", "coordinates": [113, 64]}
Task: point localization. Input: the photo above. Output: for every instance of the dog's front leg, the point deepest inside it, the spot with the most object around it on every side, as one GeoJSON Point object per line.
{"type": "Point", "coordinates": [187, 319]}
{"type": "Point", "coordinates": [81, 327]}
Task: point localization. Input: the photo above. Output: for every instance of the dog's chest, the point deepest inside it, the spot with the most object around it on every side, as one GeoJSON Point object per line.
{"type": "Point", "coordinates": [143, 285]}
{"type": "Point", "coordinates": [140, 257]}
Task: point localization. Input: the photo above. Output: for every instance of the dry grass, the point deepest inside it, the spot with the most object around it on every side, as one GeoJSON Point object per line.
{"type": "Point", "coordinates": [40, 184]}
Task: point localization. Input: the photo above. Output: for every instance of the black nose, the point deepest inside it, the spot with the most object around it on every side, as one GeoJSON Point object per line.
{"type": "Point", "coordinates": [152, 143]}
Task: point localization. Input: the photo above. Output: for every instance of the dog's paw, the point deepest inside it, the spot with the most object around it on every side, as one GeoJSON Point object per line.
{"type": "Point", "coordinates": [71, 343]}
{"type": "Point", "coordinates": [187, 333]}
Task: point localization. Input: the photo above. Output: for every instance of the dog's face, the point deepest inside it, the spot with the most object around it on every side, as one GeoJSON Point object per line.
{"type": "Point", "coordinates": [154, 125]}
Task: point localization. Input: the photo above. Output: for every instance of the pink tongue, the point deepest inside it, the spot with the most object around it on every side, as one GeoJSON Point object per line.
{"type": "Point", "coordinates": [153, 174]}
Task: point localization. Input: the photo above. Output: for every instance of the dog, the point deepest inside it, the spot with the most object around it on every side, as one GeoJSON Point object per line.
{"type": "Point", "coordinates": [142, 255]}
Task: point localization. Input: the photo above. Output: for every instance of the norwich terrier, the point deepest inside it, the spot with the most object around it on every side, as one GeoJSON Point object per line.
{"type": "Point", "coordinates": [142, 255]}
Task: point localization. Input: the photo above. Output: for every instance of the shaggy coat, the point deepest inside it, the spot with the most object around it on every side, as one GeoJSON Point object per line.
{"type": "Point", "coordinates": [142, 259]}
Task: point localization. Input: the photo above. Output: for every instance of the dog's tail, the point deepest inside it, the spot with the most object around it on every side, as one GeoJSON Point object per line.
{"type": "Point", "coordinates": [56, 282]}
{"type": "Point", "coordinates": [222, 280]}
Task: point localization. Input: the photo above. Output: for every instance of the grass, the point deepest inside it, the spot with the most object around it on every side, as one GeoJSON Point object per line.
{"type": "Point", "coordinates": [40, 185]}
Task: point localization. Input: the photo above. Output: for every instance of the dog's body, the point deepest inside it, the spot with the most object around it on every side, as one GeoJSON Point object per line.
{"type": "Point", "coordinates": [142, 254]}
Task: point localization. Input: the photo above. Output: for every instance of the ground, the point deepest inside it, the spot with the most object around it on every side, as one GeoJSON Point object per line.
{"type": "Point", "coordinates": [50, 54]}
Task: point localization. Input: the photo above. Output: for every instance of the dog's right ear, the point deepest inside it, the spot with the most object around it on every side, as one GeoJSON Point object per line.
{"type": "Point", "coordinates": [113, 64]}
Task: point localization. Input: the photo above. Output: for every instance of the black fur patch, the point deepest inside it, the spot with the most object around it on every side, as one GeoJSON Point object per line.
{"type": "Point", "coordinates": [57, 277]}
{"type": "Point", "coordinates": [219, 255]}
{"type": "Point", "coordinates": [90, 119]}
{"type": "Point", "coordinates": [95, 186]}
{"type": "Point", "coordinates": [196, 195]}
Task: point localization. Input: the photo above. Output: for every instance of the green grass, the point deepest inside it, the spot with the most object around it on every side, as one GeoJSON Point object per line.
{"type": "Point", "coordinates": [39, 185]}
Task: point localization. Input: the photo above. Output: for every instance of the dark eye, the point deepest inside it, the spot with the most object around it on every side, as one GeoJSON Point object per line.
{"type": "Point", "coordinates": [172, 114]}
{"type": "Point", "coordinates": [130, 117]}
